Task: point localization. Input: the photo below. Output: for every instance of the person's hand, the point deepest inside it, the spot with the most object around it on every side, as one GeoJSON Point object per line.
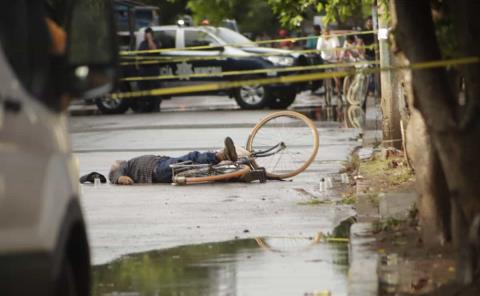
{"type": "Point", "coordinates": [125, 180]}
{"type": "Point", "coordinates": [149, 37]}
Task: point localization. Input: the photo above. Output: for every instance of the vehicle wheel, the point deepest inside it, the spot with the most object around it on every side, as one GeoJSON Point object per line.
{"type": "Point", "coordinates": [252, 97]}
{"type": "Point", "coordinates": [66, 284]}
{"type": "Point", "coordinates": [112, 106]}
{"type": "Point", "coordinates": [107, 105]}
{"type": "Point", "coordinates": [146, 106]}
{"type": "Point", "coordinates": [283, 101]}
{"type": "Point", "coordinates": [295, 132]}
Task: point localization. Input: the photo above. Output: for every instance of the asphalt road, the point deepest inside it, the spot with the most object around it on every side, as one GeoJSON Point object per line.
{"type": "Point", "coordinates": [131, 219]}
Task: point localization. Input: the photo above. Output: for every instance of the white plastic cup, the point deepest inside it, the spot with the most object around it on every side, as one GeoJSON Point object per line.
{"type": "Point", "coordinates": [321, 185]}
{"type": "Point", "coordinates": [328, 182]}
{"type": "Point", "coordinates": [344, 178]}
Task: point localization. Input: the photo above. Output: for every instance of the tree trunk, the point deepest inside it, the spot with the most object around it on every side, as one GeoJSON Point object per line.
{"type": "Point", "coordinates": [454, 129]}
{"type": "Point", "coordinates": [433, 200]}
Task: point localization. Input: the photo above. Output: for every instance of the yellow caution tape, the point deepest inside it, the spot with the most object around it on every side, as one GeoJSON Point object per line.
{"type": "Point", "coordinates": [292, 39]}
{"type": "Point", "coordinates": [287, 79]}
{"type": "Point", "coordinates": [143, 60]}
{"type": "Point", "coordinates": [271, 71]}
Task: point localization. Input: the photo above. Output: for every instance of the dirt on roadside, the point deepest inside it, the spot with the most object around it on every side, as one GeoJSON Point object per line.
{"type": "Point", "coordinates": [406, 266]}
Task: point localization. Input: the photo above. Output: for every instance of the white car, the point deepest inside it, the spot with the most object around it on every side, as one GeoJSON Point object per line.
{"type": "Point", "coordinates": [43, 240]}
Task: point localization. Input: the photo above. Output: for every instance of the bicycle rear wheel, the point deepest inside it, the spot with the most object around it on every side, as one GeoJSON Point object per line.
{"type": "Point", "coordinates": [357, 92]}
{"type": "Point", "coordinates": [298, 136]}
{"type": "Point", "coordinates": [219, 172]}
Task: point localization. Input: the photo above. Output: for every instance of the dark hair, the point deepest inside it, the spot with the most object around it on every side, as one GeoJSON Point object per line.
{"type": "Point", "coordinates": [149, 30]}
{"type": "Point", "coordinates": [317, 28]}
{"type": "Point", "coordinates": [351, 38]}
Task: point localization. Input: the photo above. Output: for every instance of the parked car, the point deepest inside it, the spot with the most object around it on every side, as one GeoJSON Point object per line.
{"type": "Point", "coordinates": [228, 51]}
{"type": "Point", "coordinates": [43, 241]}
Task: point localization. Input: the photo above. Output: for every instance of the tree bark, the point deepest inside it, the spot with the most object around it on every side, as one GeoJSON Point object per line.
{"type": "Point", "coordinates": [454, 129]}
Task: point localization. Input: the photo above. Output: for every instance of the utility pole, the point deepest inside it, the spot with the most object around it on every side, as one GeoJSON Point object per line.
{"type": "Point", "coordinates": [392, 136]}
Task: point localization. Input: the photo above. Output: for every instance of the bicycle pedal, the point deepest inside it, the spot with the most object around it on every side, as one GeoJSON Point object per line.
{"type": "Point", "coordinates": [255, 175]}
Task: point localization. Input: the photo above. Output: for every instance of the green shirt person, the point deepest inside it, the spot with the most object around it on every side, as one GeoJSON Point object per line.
{"type": "Point", "coordinates": [312, 41]}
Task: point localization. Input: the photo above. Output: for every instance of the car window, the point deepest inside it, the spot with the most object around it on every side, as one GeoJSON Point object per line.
{"type": "Point", "coordinates": [166, 38]}
{"type": "Point", "coordinates": [198, 38]}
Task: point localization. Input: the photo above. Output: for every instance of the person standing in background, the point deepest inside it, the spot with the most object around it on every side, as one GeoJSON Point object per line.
{"type": "Point", "coordinates": [313, 39]}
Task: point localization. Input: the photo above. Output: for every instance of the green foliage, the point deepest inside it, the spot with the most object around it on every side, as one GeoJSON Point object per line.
{"type": "Point", "coordinates": [389, 224]}
{"type": "Point", "coordinates": [293, 12]}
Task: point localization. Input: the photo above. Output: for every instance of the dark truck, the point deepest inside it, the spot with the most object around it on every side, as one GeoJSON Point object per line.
{"type": "Point", "coordinates": [228, 51]}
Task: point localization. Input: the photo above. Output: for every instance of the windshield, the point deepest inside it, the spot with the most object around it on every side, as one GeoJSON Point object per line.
{"type": "Point", "coordinates": [232, 38]}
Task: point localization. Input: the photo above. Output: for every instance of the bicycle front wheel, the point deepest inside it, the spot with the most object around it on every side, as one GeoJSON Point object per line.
{"type": "Point", "coordinates": [219, 172]}
{"type": "Point", "coordinates": [295, 133]}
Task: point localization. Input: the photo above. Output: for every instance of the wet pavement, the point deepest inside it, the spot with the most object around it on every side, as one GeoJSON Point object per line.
{"type": "Point", "coordinates": [158, 222]}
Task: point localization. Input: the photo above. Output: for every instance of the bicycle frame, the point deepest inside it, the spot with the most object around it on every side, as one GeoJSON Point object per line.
{"type": "Point", "coordinates": [189, 165]}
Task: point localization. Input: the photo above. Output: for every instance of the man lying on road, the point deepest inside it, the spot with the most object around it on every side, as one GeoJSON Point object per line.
{"type": "Point", "coordinates": [156, 169]}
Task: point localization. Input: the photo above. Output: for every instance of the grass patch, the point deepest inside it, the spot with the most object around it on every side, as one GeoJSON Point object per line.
{"type": "Point", "coordinates": [351, 164]}
{"type": "Point", "coordinates": [314, 202]}
{"type": "Point", "coordinates": [348, 198]}
{"type": "Point", "coordinates": [389, 224]}
{"type": "Point", "coordinates": [385, 174]}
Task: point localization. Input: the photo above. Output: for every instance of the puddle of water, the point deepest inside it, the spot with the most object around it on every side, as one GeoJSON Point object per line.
{"type": "Point", "coordinates": [262, 266]}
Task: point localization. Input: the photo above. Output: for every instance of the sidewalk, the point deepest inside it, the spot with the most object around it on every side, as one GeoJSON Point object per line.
{"type": "Point", "coordinates": [386, 254]}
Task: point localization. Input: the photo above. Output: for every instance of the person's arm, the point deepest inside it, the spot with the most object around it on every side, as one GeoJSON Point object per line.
{"type": "Point", "coordinates": [120, 176]}
{"type": "Point", "coordinates": [336, 47]}
{"type": "Point", "coordinates": [150, 42]}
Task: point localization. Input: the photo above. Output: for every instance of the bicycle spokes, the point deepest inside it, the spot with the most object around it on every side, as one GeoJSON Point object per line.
{"type": "Point", "coordinates": [271, 151]}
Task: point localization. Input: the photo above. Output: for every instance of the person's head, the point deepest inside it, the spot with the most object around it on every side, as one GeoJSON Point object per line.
{"type": "Point", "coordinates": [115, 166]}
{"type": "Point", "coordinates": [369, 23]}
{"type": "Point", "coordinates": [283, 33]}
{"type": "Point", "coordinates": [350, 39]}
{"type": "Point", "coordinates": [317, 29]}
{"type": "Point", "coordinates": [148, 31]}
{"type": "Point", "coordinates": [326, 30]}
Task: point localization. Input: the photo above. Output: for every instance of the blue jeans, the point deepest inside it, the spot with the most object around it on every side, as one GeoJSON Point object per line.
{"type": "Point", "coordinates": [163, 173]}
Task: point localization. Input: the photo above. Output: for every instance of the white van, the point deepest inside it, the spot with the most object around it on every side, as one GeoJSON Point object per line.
{"type": "Point", "coordinates": [43, 242]}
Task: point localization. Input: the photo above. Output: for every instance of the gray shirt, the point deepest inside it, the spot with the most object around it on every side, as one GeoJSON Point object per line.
{"type": "Point", "coordinates": [140, 169]}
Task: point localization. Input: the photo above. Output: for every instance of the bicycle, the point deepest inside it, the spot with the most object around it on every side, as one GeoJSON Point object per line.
{"type": "Point", "coordinates": [282, 145]}
{"type": "Point", "coordinates": [358, 88]}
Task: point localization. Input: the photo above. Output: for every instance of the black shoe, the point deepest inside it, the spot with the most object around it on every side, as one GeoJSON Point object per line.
{"type": "Point", "coordinates": [229, 152]}
{"type": "Point", "coordinates": [91, 178]}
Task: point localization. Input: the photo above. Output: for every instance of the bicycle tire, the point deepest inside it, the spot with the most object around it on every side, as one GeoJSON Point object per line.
{"type": "Point", "coordinates": [347, 82]}
{"type": "Point", "coordinates": [357, 92]}
{"type": "Point", "coordinates": [328, 91]}
{"type": "Point", "coordinates": [305, 123]}
{"type": "Point", "coordinates": [205, 175]}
